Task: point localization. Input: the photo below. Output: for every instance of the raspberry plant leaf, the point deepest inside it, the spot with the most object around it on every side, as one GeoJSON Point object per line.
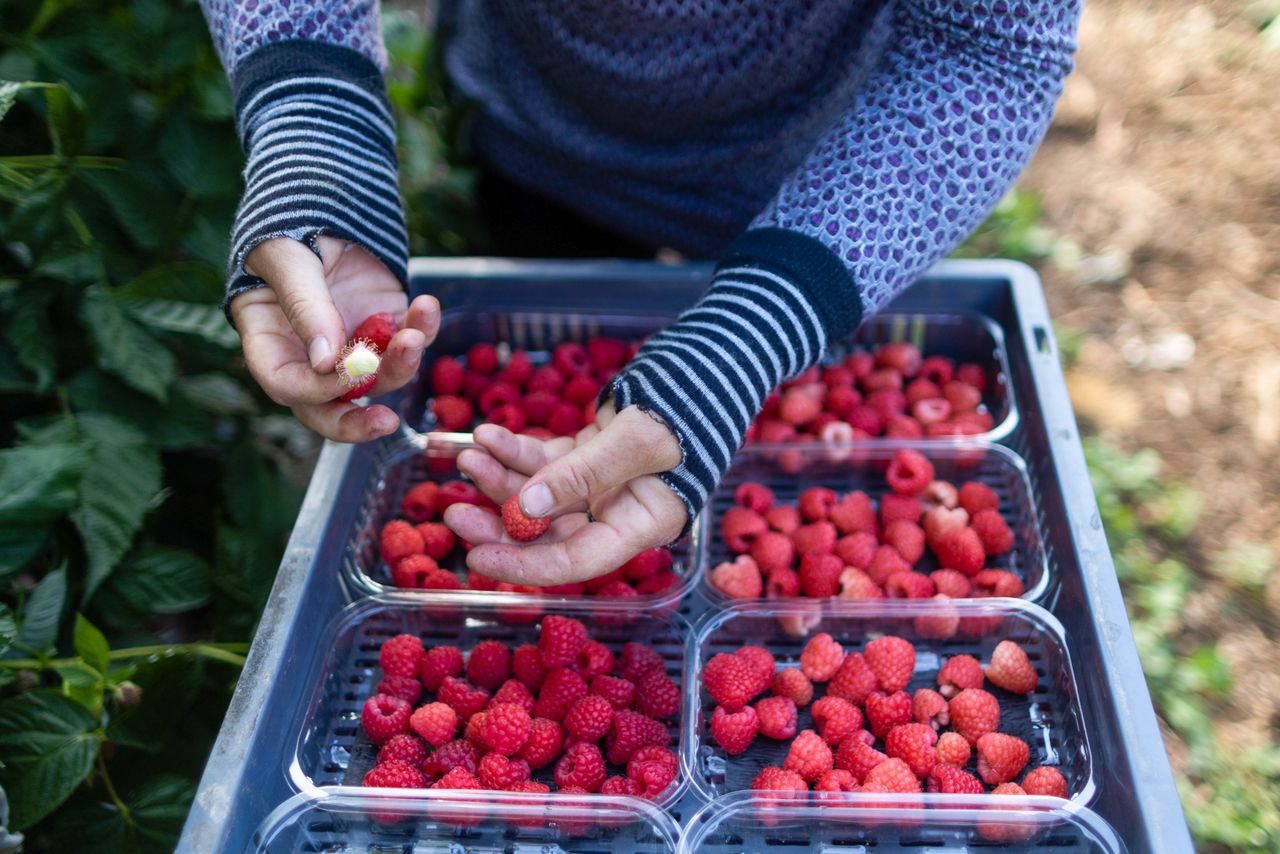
{"type": "Point", "coordinates": [91, 645]}
{"type": "Point", "coordinates": [8, 628]}
{"type": "Point", "coordinates": [43, 611]}
{"type": "Point", "coordinates": [49, 744]}
{"type": "Point", "coordinates": [161, 581]}
{"type": "Point", "coordinates": [124, 348]}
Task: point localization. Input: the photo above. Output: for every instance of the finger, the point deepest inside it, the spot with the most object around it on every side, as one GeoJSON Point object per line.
{"type": "Point", "coordinates": [591, 550]}
{"type": "Point", "coordinates": [523, 454]}
{"type": "Point", "coordinates": [481, 527]}
{"type": "Point", "coordinates": [297, 276]}
{"type": "Point", "coordinates": [347, 422]}
{"type": "Point", "coordinates": [424, 316]}
{"type": "Point", "coordinates": [400, 363]}
{"type": "Point", "coordinates": [628, 447]}
{"type": "Point", "coordinates": [491, 477]}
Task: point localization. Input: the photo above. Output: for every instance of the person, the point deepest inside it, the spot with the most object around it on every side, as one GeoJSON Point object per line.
{"type": "Point", "coordinates": [825, 152]}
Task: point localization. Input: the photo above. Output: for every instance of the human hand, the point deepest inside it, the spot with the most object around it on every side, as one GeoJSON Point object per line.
{"type": "Point", "coordinates": [608, 469]}
{"type": "Point", "coordinates": [292, 331]}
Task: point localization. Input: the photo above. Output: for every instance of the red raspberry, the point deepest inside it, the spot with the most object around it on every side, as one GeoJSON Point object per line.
{"type": "Point", "coordinates": [637, 659]}
{"type": "Point", "coordinates": [589, 719]}
{"type": "Point", "coordinates": [453, 413]}
{"type": "Point", "coordinates": [771, 551]}
{"type": "Point", "coordinates": [729, 680]}
{"type": "Point", "coordinates": [801, 405]}
{"type": "Point", "coordinates": [891, 776]}
{"type": "Point", "coordinates": [975, 497]}
{"type": "Point", "coordinates": [518, 370]}
{"type": "Point", "coordinates": [913, 744]}
{"type": "Point", "coordinates": [439, 662]}
{"type": "Point", "coordinates": [820, 575]}
{"type": "Point", "coordinates": [496, 771]}
{"type": "Point", "coordinates": [482, 358]}
{"type": "Point", "coordinates": [400, 655]}
{"type": "Point", "coordinates": [458, 778]}
{"type": "Point", "coordinates": [565, 419]}
{"type": "Point", "coordinates": [539, 406]}
{"type": "Point", "coordinates": [652, 777]}
{"type": "Point", "coordinates": [889, 402]}
{"type": "Point", "coordinates": [973, 375]}
{"type": "Point", "coordinates": [815, 503]}
{"type": "Point", "coordinates": [885, 564]}
{"type": "Point", "coordinates": [886, 711]}
{"type": "Point", "coordinates": [511, 416]}
{"type": "Point", "coordinates": [734, 731]}
{"type": "Point", "coordinates": [900, 508]}
{"type": "Point", "coordinates": [754, 496]}
{"type": "Point", "coordinates": [856, 584]}
{"type": "Point", "coordinates": [407, 688]}
{"type": "Point", "coordinates": [893, 660]}
{"type": "Point", "coordinates": [489, 664]}
{"type": "Point", "coordinates": [774, 779]}
{"type": "Point", "coordinates": [929, 707]}
{"type": "Point", "coordinates": [1011, 669]}
{"type": "Point", "coordinates": [617, 589]}
{"type": "Point", "coordinates": [783, 518]}
{"type": "Point", "coordinates": [607, 354]}
{"type": "Point", "coordinates": [993, 531]}
{"type": "Point", "coordinates": [395, 774]}
{"type": "Point", "coordinates": [560, 690]}
{"type": "Point", "coordinates": [581, 389]}
{"type": "Point", "coordinates": [997, 582]}
{"type": "Point", "coordinates": [858, 757]}
{"type": "Point", "coordinates": [940, 521]}
{"type": "Point", "coordinates": [647, 563]}
{"type": "Point", "coordinates": [950, 780]}
{"type": "Point", "coordinates": [546, 738]}
{"type": "Point", "coordinates": [474, 731]}
{"type": "Point", "coordinates": [476, 581]}
{"type": "Point", "coordinates": [404, 748]}
{"type": "Point", "coordinates": [520, 527]}
{"type": "Point", "coordinates": [571, 358]}
{"type": "Point", "coordinates": [446, 375]}
{"type": "Point", "coordinates": [514, 691]}
{"type": "Point", "coordinates": [437, 540]}
{"type": "Point", "coordinates": [621, 786]}
{"type": "Point", "coordinates": [384, 716]}
{"type": "Point", "coordinates": [506, 728]}
{"type": "Point", "coordinates": [618, 691]}
{"type": "Point", "coordinates": [659, 582]}
{"type": "Point", "coordinates": [960, 549]}
{"type": "Point", "coordinates": [960, 672]}
{"type": "Point", "coordinates": [837, 780]}
{"type": "Point", "coordinates": [778, 717]}
{"type": "Point", "coordinates": [901, 356]}
{"type": "Point", "coordinates": [740, 527]}
{"type": "Point", "coordinates": [1001, 757]}
{"type": "Point", "coordinates": [962, 396]}
{"type": "Point", "coordinates": [931, 410]}
{"type": "Point", "coordinates": [936, 369]}
{"type": "Point", "coordinates": [907, 539]}
{"type": "Point", "coordinates": [821, 657]}
{"type": "Point", "coordinates": [854, 680]}
{"type": "Point", "coordinates": [450, 755]}
{"type": "Point", "coordinates": [632, 731]}
{"type": "Point", "coordinates": [546, 380]}
{"type": "Point", "coordinates": [1044, 780]}
{"type": "Point", "coordinates": [532, 787]}
{"type": "Point", "coordinates": [498, 395]}
{"type": "Point", "coordinates": [836, 719]}
{"type": "Point", "coordinates": [653, 753]}
{"type": "Point", "coordinates": [974, 713]}
{"type": "Point", "coordinates": [465, 698]}
{"type": "Point", "coordinates": [953, 749]}
{"type": "Point", "coordinates": [526, 665]}
{"type": "Point", "coordinates": [809, 756]}
{"type": "Point", "coordinates": [949, 583]}
{"type": "Point", "coordinates": [657, 695]}
{"type": "Point", "coordinates": [866, 419]}
{"type": "Point", "coordinates": [419, 503]}
{"type": "Point", "coordinates": [909, 585]}
{"type": "Point", "coordinates": [922, 389]}
{"type": "Point", "coordinates": [594, 659]}
{"type": "Point", "coordinates": [817, 537]}
{"type": "Point", "coordinates": [856, 549]}
{"type": "Point", "coordinates": [415, 572]}
{"type": "Point", "coordinates": [782, 584]}
{"type": "Point", "coordinates": [854, 514]}
{"type": "Point", "coordinates": [560, 640]}
{"type": "Point", "coordinates": [435, 723]}
{"type": "Point", "coordinates": [739, 579]}
{"type": "Point", "coordinates": [909, 473]}
{"type": "Point", "coordinates": [458, 492]}
{"type": "Point", "coordinates": [762, 665]}
{"type": "Point", "coordinates": [398, 540]}
{"type": "Point", "coordinates": [794, 685]}
{"type": "Point", "coordinates": [881, 379]}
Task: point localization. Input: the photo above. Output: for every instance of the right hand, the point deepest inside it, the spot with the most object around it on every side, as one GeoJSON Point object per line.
{"type": "Point", "coordinates": [292, 330]}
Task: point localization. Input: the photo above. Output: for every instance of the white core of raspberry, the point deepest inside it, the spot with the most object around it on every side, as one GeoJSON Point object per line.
{"type": "Point", "coordinates": [358, 360]}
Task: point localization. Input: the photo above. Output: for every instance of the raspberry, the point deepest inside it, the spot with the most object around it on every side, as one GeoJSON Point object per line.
{"type": "Point", "coordinates": [909, 585]}
{"type": "Point", "coordinates": [498, 395]}
{"type": "Point", "coordinates": [953, 749]}
{"type": "Point", "coordinates": [647, 563]}
{"type": "Point", "coordinates": [589, 719]}
{"type": "Point", "coordinates": [854, 680]}
{"type": "Point", "coordinates": [817, 537]}
{"type": "Point", "coordinates": [397, 540]}
{"type": "Point", "coordinates": [951, 780]}
{"type": "Point", "coordinates": [931, 410]}
{"type": "Point", "coordinates": [856, 549]}
{"type": "Point", "coordinates": [518, 370]}
{"type": "Point", "coordinates": [940, 521]}
{"type": "Point", "coordinates": [473, 732]}
{"type": "Point", "coordinates": [754, 496]}
{"type": "Point", "coordinates": [465, 698]}
{"type": "Point", "coordinates": [571, 358]}
{"type": "Point", "coordinates": [856, 584]}
{"type": "Point", "coordinates": [854, 514]}
{"type": "Point", "coordinates": [653, 777]}
{"type": "Point", "coordinates": [400, 655]}
{"type": "Point", "coordinates": [458, 778]}
{"type": "Point", "coordinates": [543, 744]}
{"type": "Point", "coordinates": [885, 564]}
{"type": "Point", "coordinates": [446, 375]}
{"type": "Point", "coordinates": [560, 640]}
{"type": "Point", "coordinates": [658, 696]}
{"type": "Point", "coordinates": [900, 508]}
{"type": "Point", "coordinates": [1001, 757]}
{"type": "Point", "coordinates": [581, 390]}
{"type": "Point", "coordinates": [774, 779]}
{"type": "Point", "coordinates": [960, 549]}
{"type": "Point", "coordinates": [526, 665]}
{"type": "Point", "coordinates": [514, 691]}
{"type": "Point", "coordinates": [546, 380]}
{"type": "Point", "coordinates": [975, 497]}
{"type": "Point", "coordinates": [778, 717]}
{"type": "Point", "coordinates": [909, 473]}
{"type": "Point", "coordinates": [359, 388]}
{"type": "Point", "coordinates": [921, 389]}
{"type": "Point", "coordinates": [531, 787]}
{"type": "Point", "coordinates": [435, 723]}
{"type": "Point", "coordinates": [565, 420]}
{"type": "Point", "coordinates": [893, 660]}
{"type": "Point", "coordinates": [907, 539]}
{"type": "Point", "coordinates": [858, 757]}
{"type": "Point", "coordinates": [800, 405]}
{"type": "Point", "coordinates": [892, 776]}
{"type": "Point", "coordinates": [489, 664]}
{"type": "Point", "coordinates": [457, 492]}
{"type": "Point", "coordinates": [993, 531]}
{"type": "Point", "coordinates": [439, 662]}
{"type": "Point", "coordinates": [913, 744]}
{"type": "Point", "coordinates": [511, 416]}
{"type": "Point", "coordinates": [506, 728]}
{"type": "Point", "coordinates": [809, 756]}
{"type": "Point", "coordinates": [607, 354]}
{"type": "Point", "coordinates": [450, 755]}
{"type": "Point", "coordinates": [618, 691]}
{"type": "Point", "coordinates": [415, 572]}
{"type": "Point", "coordinates": [997, 582]}
{"type": "Point", "coordinates": [560, 690]}
{"type": "Point", "coordinates": [637, 659]}
{"type": "Point", "coordinates": [740, 527]}
{"type": "Point", "coordinates": [962, 396]}
{"type": "Point", "coordinates": [902, 356]}
{"type": "Point", "coordinates": [659, 582]}
{"type": "Point", "coordinates": [437, 540]}
{"type": "Point", "coordinates": [974, 713]}
{"type": "Point", "coordinates": [821, 657]}
{"type": "Point", "coordinates": [734, 731]}
{"type": "Point", "coordinates": [520, 527]}
{"type": "Point", "coordinates": [419, 503]}
{"type": "Point", "coordinates": [476, 581]}
{"type": "Point", "coordinates": [837, 780]}
{"type": "Point", "coordinates": [617, 589]}
{"type": "Point", "coordinates": [815, 503]}
{"type": "Point", "coordinates": [949, 583]}
{"type": "Point", "coordinates": [407, 688]}
{"type": "Point", "coordinates": [794, 685]}
{"type": "Point", "coordinates": [632, 731]}
{"type": "Point", "coordinates": [783, 518]}
{"type": "Point", "coordinates": [395, 774]}
{"type": "Point", "coordinates": [820, 575]}
{"type": "Point", "coordinates": [384, 716]}
{"type": "Point", "coordinates": [1010, 669]}
{"type": "Point", "coordinates": [930, 707]}
{"type": "Point", "coordinates": [539, 406]}
{"type": "Point", "coordinates": [1044, 780]}
{"type": "Point", "coordinates": [739, 579]}
{"type": "Point", "coordinates": [496, 771]}
{"type": "Point", "coordinates": [866, 419]}
{"type": "Point", "coordinates": [453, 413]}
{"type": "Point", "coordinates": [729, 680]}
{"type": "Point", "coordinates": [772, 551]}
{"type": "Point", "coordinates": [782, 584]}
{"type": "Point", "coordinates": [836, 719]}
{"type": "Point", "coordinates": [881, 380]}
{"type": "Point", "coordinates": [886, 711]}
{"type": "Point", "coordinates": [621, 786]}
{"type": "Point", "coordinates": [405, 748]}
{"type": "Point", "coordinates": [960, 672]}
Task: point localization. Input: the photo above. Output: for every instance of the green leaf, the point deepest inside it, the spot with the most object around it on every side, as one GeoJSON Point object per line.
{"type": "Point", "coordinates": [217, 393]}
{"type": "Point", "coordinates": [162, 581]}
{"type": "Point", "coordinates": [8, 628]}
{"type": "Point", "coordinates": [43, 611]}
{"type": "Point", "coordinates": [84, 684]}
{"type": "Point", "coordinates": [124, 348]}
{"type": "Point", "coordinates": [91, 644]}
{"type": "Point", "coordinates": [178, 424]}
{"type": "Point", "coordinates": [143, 210]}
{"type": "Point", "coordinates": [66, 118]}
{"type": "Point", "coordinates": [204, 157]}
{"type": "Point", "coordinates": [18, 546]}
{"type": "Point", "coordinates": [169, 685]}
{"type": "Point", "coordinates": [49, 743]}
{"type": "Point", "coordinates": [186, 318]}
{"type": "Point", "coordinates": [38, 483]}
{"type": "Point", "coordinates": [8, 95]}
{"type": "Point", "coordinates": [157, 810]}
{"type": "Point", "coordinates": [32, 337]}
{"type": "Point", "coordinates": [184, 281]}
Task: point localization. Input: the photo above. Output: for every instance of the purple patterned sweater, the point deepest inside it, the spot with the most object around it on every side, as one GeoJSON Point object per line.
{"type": "Point", "coordinates": [828, 152]}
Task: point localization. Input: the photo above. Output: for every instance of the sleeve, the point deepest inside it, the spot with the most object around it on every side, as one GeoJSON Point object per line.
{"type": "Point", "coordinates": [935, 138]}
{"type": "Point", "coordinates": [317, 131]}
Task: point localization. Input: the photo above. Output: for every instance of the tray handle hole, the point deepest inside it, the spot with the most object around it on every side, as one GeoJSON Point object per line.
{"type": "Point", "coordinates": [1043, 341]}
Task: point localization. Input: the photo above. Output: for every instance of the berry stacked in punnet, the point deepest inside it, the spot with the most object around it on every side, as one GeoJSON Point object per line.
{"type": "Point", "coordinates": [566, 714]}
{"type": "Point", "coordinates": [849, 724]}
{"type": "Point", "coordinates": [924, 539]}
{"type": "Point", "coordinates": [420, 551]}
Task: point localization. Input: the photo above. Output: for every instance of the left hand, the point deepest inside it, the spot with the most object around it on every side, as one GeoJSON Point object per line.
{"type": "Point", "coordinates": [608, 468]}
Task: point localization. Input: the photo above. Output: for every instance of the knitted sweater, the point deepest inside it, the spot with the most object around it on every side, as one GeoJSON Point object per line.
{"type": "Point", "coordinates": [828, 152]}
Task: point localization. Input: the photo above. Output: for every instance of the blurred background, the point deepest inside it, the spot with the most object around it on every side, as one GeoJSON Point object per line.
{"type": "Point", "coordinates": [147, 487]}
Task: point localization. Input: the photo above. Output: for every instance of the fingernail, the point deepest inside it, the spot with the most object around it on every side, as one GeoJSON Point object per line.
{"type": "Point", "coordinates": [536, 501]}
{"type": "Point", "coordinates": [318, 350]}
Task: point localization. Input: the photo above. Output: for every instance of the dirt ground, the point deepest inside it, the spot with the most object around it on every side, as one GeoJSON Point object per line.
{"type": "Point", "coordinates": [1164, 169]}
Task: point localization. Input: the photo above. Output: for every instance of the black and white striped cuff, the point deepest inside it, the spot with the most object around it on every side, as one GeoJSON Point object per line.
{"type": "Point", "coordinates": [775, 302]}
{"type": "Point", "coordinates": [320, 147]}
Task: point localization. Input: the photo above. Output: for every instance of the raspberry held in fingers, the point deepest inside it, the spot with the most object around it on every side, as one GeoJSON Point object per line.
{"type": "Point", "coordinates": [519, 526]}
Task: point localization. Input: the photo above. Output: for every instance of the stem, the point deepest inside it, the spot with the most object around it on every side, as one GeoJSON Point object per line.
{"type": "Point", "coordinates": [111, 790]}
{"type": "Point", "coordinates": [226, 652]}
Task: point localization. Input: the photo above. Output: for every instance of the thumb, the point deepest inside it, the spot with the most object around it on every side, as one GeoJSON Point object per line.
{"type": "Point", "coordinates": [631, 445]}
{"type": "Point", "coordinates": [296, 275]}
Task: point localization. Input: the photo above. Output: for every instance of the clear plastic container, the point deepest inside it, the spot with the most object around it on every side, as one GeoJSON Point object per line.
{"type": "Point", "coordinates": [790, 470]}
{"type": "Point", "coordinates": [344, 819]}
{"type": "Point", "coordinates": [332, 749]}
{"type": "Point", "coordinates": [431, 457]}
{"type": "Point", "coordinates": [748, 823]}
{"type": "Point", "coordinates": [1050, 719]}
